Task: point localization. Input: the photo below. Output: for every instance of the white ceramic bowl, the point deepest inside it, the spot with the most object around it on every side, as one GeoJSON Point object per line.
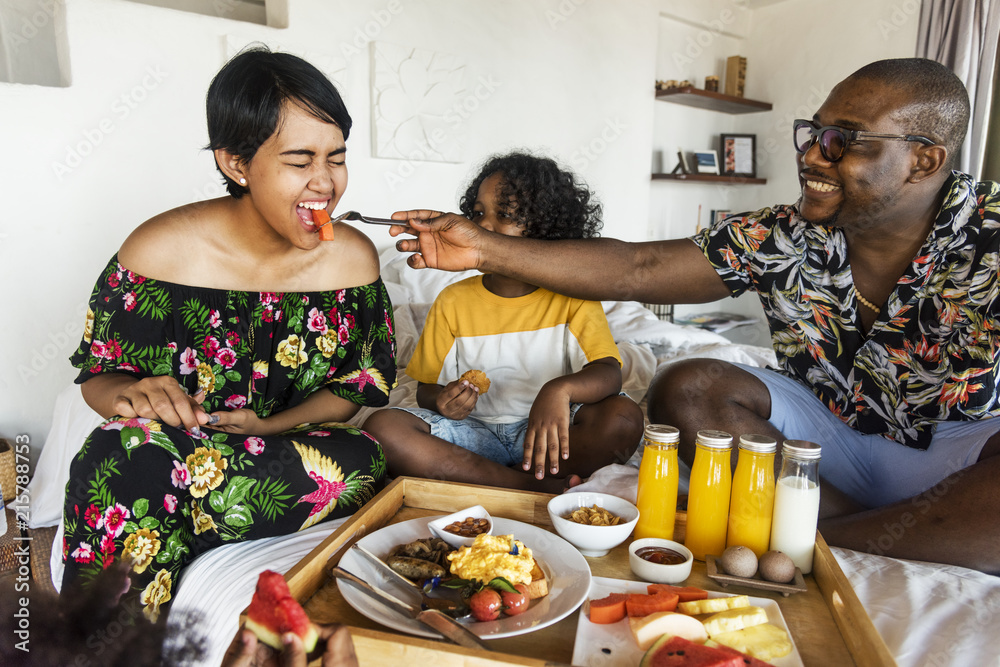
{"type": "Point", "coordinates": [437, 525]}
{"type": "Point", "coordinates": [656, 572]}
{"type": "Point", "coordinates": [592, 540]}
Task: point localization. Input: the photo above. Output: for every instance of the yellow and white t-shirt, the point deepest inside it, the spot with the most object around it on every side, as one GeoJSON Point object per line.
{"type": "Point", "coordinates": [520, 343]}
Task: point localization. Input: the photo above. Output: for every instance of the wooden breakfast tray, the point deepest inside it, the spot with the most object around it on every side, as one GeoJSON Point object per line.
{"type": "Point", "coordinates": [827, 621]}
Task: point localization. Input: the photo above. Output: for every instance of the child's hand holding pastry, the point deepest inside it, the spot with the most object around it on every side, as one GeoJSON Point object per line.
{"type": "Point", "coordinates": [457, 399]}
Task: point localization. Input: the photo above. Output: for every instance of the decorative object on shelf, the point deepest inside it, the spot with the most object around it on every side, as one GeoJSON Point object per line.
{"type": "Point", "coordinates": [684, 84]}
{"type": "Point", "coordinates": [682, 165]}
{"type": "Point", "coordinates": [712, 83]}
{"type": "Point", "coordinates": [707, 161]}
{"type": "Point", "coordinates": [669, 84]}
{"type": "Point", "coordinates": [739, 154]}
{"type": "Point", "coordinates": [719, 214]}
{"type": "Point", "coordinates": [736, 75]}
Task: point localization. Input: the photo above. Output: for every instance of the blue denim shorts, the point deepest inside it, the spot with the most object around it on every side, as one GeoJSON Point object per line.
{"type": "Point", "coordinates": [501, 443]}
{"type": "Point", "coordinates": [873, 470]}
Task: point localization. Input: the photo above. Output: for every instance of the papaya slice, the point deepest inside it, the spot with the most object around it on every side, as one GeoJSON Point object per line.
{"type": "Point", "coordinates": [639, 604]}
{"type": "Point", "coordinates": [322, 221]}
{"type": "Point", "coordinates": [684, 593]}
{"type": "Point", "coordinates": [608, 610]}
{"type": "Point", "coordinates": [273, 612]}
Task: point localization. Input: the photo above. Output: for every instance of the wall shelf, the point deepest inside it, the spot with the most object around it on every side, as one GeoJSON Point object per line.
{"type": "Point", "coordinates": [705, 99]}
{"type": "Point", "coordinates": [710, 178]}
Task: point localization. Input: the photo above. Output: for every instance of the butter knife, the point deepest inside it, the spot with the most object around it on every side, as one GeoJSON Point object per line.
{"type": "Point", "coordinates": [432, 618]}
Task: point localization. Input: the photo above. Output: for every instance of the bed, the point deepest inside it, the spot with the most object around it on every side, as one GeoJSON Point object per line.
{"type": "Point", "coordinates": [927, 614]}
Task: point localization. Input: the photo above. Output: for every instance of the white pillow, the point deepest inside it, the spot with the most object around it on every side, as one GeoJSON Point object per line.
{"type": "Point", "coordinates": [72, 422]}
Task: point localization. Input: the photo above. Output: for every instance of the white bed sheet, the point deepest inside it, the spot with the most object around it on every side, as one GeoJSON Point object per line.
{"type": "Point", "coordinates": [928, 614]}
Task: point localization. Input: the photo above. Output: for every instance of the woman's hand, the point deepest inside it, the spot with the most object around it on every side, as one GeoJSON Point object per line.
{"type": "Point", "coordinates": [548, 430]}
{"type": "Point", "coordinates": [334, 640]}
{"type": "Point", "coordinates": [160, 397]}
{"type": "Point", "coordinates": [243, 421]}
{"type": "Point", "coordinates": [457, 400]}
{"type": "Point", "coordinates": [444, 241]}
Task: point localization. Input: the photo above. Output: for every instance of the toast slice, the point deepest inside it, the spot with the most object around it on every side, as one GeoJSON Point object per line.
{"type": "Point", "coordinates": [539, 587]}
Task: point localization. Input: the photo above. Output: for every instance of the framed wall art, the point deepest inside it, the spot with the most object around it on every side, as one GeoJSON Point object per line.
{"type": "Point", "coordinates": [707, 162]}
{"type": "Point", "coordinates": [739, 154]}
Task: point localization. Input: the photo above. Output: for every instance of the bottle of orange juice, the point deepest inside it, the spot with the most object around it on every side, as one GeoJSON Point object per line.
{"type": "Point", "coordinates": [752, 501]}
{"type": "Point", "coordinates": [708, 494]}
{"type": "Point", "coordinates": [656, 497]}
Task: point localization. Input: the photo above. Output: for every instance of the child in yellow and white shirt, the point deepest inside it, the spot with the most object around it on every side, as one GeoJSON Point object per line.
{"type": "Point", "coordinates": [553, 404]}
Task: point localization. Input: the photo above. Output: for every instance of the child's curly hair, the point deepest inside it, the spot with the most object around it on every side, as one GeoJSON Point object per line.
{"type": "Point", "coordinates": [546, 200]}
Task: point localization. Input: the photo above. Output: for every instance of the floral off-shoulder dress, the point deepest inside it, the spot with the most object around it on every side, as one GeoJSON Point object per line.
{"type": "Point", "coordinates": [161, 495]}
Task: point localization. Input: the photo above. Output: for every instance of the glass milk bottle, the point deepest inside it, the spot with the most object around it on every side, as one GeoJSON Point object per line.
{"type": "Point", "coordinates": [708, 494]}
{"type": "Point", "coordinates": [796, 503]}
{"type": "Point", "coordinates": [656, 496]}
{"type": "Point", "coordinates": [752, 501]}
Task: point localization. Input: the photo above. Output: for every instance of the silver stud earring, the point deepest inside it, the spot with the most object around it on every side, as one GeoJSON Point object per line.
{"type": "Point", "coordinates": [243, 181]}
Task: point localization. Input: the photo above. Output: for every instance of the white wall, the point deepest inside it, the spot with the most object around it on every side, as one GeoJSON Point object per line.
{"type": "Point", "coordinates": [796, 51]}
{"type": "Point", "coordinates": [83, 165]}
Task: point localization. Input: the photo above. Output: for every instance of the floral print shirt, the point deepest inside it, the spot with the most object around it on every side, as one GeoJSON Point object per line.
{"type": "Point", "coordinates": [932, 353]}
{"type": "Point", "coordinates": [261, 350]}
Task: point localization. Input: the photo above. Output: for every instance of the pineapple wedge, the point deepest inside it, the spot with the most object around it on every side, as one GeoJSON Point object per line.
{"type": "Point", "coordinates": [712, 605]}
{"type": "Point", "coordinates": [764, 641]}
{"type": "Point", "coordinates": [732, 620]}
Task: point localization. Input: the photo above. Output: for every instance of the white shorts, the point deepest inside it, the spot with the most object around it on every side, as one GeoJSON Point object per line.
{"type": "Point", "coordinates": [871, 469]}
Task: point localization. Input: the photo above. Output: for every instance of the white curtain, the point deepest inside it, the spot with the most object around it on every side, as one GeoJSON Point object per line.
{"type": "Point", "coordinates": [962, 34]}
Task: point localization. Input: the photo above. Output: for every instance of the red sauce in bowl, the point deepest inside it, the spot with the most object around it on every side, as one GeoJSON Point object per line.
{"type": "Point", "coordinates": [660, 555]}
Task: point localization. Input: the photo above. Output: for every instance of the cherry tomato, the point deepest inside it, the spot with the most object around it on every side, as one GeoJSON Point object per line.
{"type": "Point", "coordinates": [516, 603]}
{"type": "Point", "coordinates": [486, 605]}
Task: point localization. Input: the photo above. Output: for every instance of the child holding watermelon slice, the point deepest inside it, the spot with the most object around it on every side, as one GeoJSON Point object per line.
{"type": "Point", "coordinates": [227, 346]}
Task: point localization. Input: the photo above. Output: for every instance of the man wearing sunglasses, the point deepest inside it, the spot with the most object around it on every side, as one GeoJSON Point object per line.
{"type": "Point", "coordinates": [881, 287]}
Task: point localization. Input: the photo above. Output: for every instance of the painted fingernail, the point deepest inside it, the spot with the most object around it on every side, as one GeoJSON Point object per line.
{"type": "Point", "coordinates": [213, 419]}
{"type": "Point", "coordinates": [196, 432]}
{"type": "Point", "coordinates": [287, 638]}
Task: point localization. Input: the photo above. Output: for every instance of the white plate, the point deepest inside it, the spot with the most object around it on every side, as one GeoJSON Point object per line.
{"type": "Point", "coordinates": [565, 568]}
{"type": "Point", "coordinates": [612, 644]}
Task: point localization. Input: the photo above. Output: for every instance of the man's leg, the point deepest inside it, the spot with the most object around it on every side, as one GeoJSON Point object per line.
{"type": "Point", "coordinates": [697, 394]}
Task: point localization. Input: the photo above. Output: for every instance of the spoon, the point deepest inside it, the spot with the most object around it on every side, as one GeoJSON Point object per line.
{"type": "Point", "coordinates": [354, 215]}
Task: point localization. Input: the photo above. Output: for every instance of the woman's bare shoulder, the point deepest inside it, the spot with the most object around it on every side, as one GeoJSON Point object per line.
{"type": "Point", "coordinates": [356, 259]}
{"type": "Point", "coordinates": [162, 246]}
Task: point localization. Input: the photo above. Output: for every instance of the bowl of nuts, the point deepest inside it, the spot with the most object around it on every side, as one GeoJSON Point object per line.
{"type": "Point", "coordinates": [594, 523]}
{"type": "Point", "coordinates": [461, 528]}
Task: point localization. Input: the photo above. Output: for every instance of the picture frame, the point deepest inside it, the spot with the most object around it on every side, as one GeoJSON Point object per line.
{"type": "Point", "coordinates": [707, 162]}
{"type": "Point", "coordinates": [682, 163]}
{"type": "Point", "coordinates": [739, 154]}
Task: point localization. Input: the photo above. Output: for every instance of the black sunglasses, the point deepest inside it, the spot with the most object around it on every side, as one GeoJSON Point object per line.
{"type": "Point", "coordinates": [833, 140]}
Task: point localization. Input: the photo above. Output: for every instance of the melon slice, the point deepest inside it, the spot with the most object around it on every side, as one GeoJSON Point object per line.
{"type": "Point", "coordinates": [273, 612]}
{"type": "Point", "coordinates": [679, 652]}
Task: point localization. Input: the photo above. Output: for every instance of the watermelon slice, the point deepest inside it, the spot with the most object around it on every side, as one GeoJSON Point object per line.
{"type": "Point", "coordinates": [746, 659]}
{"type": "Point", "coordinates": [273, 612]}
{"type": "Point", "coordinates": [679, 652]}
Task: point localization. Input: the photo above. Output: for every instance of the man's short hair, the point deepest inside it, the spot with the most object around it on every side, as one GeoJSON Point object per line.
{"type": "Point", "coordinates": [939, 103]}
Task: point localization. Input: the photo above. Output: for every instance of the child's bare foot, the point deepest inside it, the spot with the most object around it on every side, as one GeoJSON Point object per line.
{"type": "Point", "coordinates": [558, 485]}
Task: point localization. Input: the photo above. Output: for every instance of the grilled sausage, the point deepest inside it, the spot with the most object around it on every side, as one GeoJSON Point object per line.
{"type": "Point", "coordinates": [414, 568]}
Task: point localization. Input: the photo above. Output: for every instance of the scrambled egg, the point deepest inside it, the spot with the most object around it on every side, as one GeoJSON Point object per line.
{"type": "Point", "coordinates": [489, 557]}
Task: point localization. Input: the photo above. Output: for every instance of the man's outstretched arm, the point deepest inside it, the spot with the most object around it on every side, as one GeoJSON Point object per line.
{"type": "Point", "coordinates": [598, 269]}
